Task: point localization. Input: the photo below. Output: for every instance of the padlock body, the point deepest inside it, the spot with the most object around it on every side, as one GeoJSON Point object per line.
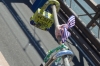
{"type": "Point", "coordinates": [43, 20]}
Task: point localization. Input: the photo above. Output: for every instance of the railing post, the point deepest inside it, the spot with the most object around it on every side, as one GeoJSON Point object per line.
{"type": "Point", "coordinates": [65, 59]}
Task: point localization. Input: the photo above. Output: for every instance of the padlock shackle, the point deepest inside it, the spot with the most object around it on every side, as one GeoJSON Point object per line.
{"type": "Point", "coordinates": [50, 2]}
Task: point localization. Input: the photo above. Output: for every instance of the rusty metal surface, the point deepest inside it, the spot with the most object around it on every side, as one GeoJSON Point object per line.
{"type": "Point", "coordinates": [84, 45]}
{"type": "Point", "coordinates": [96, 8]}
{"type": "Point", "coordinates": [93, 44]}
{"type": "Point", "coordinates": [93, 19]}
{"type": "Point", "coordinates": [81, 26]}
{"type": "Point", "coordinates": [92, 4]}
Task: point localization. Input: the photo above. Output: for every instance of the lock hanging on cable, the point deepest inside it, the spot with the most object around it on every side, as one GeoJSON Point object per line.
{"type": "Point", "coordinates": [43, 19]}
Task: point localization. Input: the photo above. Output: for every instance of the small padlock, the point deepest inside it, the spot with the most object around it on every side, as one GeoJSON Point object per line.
{"type": "Point", "coordinates": [42, 18]}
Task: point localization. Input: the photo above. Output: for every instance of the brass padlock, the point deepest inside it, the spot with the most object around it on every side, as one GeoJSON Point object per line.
{"type": "Point", "coordinates": [42, 18]}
